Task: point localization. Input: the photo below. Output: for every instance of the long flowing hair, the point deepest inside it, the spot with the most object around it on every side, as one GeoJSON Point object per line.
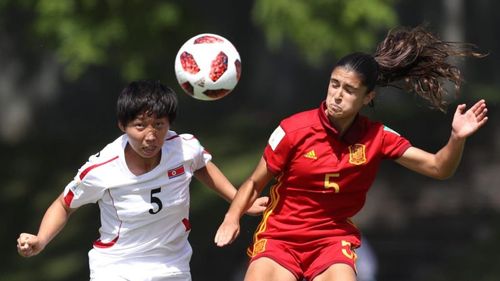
{"type": "Point", "coordinates": [415, 60]}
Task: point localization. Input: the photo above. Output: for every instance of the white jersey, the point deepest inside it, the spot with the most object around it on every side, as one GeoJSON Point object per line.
{"type": "Point", "coordinates": [143, 218]}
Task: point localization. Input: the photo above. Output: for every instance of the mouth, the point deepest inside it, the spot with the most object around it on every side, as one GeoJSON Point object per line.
{"type": "Point", "coordinates": [149, 150]}
{"type": "Point", "coordinates": [335, 108]}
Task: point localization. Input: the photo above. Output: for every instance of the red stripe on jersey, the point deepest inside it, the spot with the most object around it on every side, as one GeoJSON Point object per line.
{"type": "Point", "coordinates": [69, 198]}
{"type": "Point", "coordinates": [89, 168]}
{"type": "Point", "coordinates": [187, 224]}
{"type": "Point", "coordinates": [100, 244]}
{"type": "Point", "coordinates": [173, 137]}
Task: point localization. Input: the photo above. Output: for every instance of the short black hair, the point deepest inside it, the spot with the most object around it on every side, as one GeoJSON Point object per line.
{"type": "Point", "coordinates": [146, 96]}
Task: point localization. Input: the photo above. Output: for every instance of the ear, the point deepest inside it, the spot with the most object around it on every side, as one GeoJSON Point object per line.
{"type": "Point", "coordinates": [369, 97]}
{"type": "Point", "coordinates": [122, 128]}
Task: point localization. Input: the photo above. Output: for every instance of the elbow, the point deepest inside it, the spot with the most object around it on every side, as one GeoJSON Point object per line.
{"type": "Point", "coordinates": [443, 175]}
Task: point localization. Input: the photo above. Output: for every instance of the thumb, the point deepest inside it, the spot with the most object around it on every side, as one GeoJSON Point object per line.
{"type": "Point", "coordinates": [460, 109]}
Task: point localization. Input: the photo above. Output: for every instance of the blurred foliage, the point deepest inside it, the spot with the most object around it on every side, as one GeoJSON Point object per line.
{"type": "Point", "coordinates": [126, 34]}
{"type": "Point", "coordinates": [101, 45]}
{"type": "Point", "coordinates": [92, 32]}
{"type": "Point", "coordinates": [324, 26]}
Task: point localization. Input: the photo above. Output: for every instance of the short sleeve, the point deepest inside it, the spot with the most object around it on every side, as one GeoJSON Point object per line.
{"type": "Point", "coordinates": [200, 156]}
{"type": "Point", "coordinates": [277, 150]}
{"type": "Point", "coordinates": [394, 145]}
{"type": "Point", "coordinates": [84, 188]}
{"type": "Point", "coordinates": [202, 159]}
{"type": "Point", "coordinates": [80, 192]}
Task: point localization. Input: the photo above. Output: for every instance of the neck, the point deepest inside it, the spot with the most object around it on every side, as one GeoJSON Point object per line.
{"type": "Point", "coordinates": [139, 165]}
{"type": "Point", "coordinates": [341, 124]}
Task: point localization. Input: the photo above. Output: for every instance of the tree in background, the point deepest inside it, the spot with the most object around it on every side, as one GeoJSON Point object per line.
{"type": "Point", "coordinates": [133, 34]}
{"type": "Point", "coordinates": [60, 59]}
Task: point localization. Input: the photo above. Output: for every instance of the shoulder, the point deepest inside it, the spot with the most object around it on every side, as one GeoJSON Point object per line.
{"type": "Point", "coordinates": [183, 141]}
{"type": "Point", "coordinates": [392, 143]}
{"type": "Point", "coordinates": [377, 126]}
{"type": "Point", "coordinates": [102, 159]}
{"type": "Point", "coordinates": [301, 120]}
{"type": "Point", "coordinates": [111, 149]}
{"type": "Point", "coordinates": [295, 127]}
{"type": "Point", "coordinates": [185, 138]}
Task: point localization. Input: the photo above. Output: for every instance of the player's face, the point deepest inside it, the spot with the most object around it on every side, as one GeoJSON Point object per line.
{"type": "Point", "coordinates": [346, 94]}
{"type": "Point", "coordinates": [147, 134]}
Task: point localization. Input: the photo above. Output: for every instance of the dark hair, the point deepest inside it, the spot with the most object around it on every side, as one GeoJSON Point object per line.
{"type": "Point", "coordinates": [146, 96]}
{"type": "Point", "coordinates": [412, 59]}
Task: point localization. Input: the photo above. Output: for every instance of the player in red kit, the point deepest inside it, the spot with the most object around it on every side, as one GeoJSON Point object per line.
{"type": "Point", "coordinates": [324, 160]}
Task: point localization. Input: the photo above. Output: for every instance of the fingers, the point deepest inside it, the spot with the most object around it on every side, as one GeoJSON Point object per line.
{"type": "Point", "coordinates": [24, 240]}
{"type": "Point", "coordinates": [25, 244]}
{"type": "Point", "coordinates": [480, 111]}
{"type": "Point", "coordinates": [478, 108]}
{"type": "Point", "coordinates": [264, 201]}
{"type": "Point", "coordinates": [482, 120]}
{"type": "Point", "coordinates": [225, 236]}
{"type": "Point", "coordinates": [222, 239]}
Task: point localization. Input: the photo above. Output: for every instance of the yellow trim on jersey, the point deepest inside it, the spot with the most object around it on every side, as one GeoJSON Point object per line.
{"type": "Point", "coordinates": [274, 199]}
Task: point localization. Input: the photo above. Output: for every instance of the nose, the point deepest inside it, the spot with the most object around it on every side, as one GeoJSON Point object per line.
{"type": "Point", "coordinates": [151, 135]}
{"type": "Point", "coordinates": [337, 94]}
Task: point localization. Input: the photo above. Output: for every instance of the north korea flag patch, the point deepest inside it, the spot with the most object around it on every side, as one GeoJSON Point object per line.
{"type": "Point", "coordinates": [175, 172]}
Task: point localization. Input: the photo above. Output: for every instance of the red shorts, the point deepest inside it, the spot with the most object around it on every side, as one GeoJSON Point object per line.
{"type": "Point", "coordinates": [308, 260]}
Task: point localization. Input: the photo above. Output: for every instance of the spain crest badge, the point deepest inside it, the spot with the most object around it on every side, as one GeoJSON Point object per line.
{"type": "Point", "coordinates": [357, 154]}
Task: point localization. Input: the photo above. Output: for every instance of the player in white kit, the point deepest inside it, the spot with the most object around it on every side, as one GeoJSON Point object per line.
{"type": "Point", "coordinates": [141, 183]}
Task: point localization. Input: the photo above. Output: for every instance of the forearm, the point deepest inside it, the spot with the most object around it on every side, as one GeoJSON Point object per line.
{"type": "Point", "coordinates": [249, 191]}
{"type": "Point", "coordinates": [464, 124]}
{"type": "Point", "coordinates": [53, 221]}
{"type": "Point", "coordinates": [212, 177]}
{"type": "Point", "coordinates": [244, 198]}
{"type": "Point", "coordinates": [448, 158]}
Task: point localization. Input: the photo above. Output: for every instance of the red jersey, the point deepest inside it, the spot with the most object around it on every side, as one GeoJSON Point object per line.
{"type": "Point", "coordinates": [322, 179]}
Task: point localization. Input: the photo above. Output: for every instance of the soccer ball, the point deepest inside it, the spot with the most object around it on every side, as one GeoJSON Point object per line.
{"type": "Point", "coordinates": [207, 67]}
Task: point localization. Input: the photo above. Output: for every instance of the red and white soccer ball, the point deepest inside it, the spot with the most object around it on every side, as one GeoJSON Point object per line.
{"type": "Point", "coordinates": [208, 67]}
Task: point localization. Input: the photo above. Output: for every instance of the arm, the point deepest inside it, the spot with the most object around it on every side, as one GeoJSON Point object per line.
{"type": "Point", "coordinates": [211, 176]}
{"type": "Point", "coordinates": [443, 164]}
{"type": "Point", "coordinates": [53, 221]}
{"type": "Point", "coordinates": [247, 194]}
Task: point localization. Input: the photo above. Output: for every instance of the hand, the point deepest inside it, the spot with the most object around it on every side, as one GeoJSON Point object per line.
{"type": "Point", "coordinates": [28, 245]}
{"type": "Point", "coordinates": [227, 232]}
{"type": "Point", "coordinates": [466, 123]}
{"type": "Point", "coordinates": [258, 206]}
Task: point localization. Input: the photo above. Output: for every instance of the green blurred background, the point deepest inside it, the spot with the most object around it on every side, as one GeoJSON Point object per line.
{"type": "Point", "coordinates": [62, 63]}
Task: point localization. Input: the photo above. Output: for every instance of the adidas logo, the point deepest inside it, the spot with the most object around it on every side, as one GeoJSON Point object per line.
{"type": "Point", "coordinates": [311, 155]}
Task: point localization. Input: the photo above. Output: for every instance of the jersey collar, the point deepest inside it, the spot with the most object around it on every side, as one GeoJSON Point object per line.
{"type": "Point", "coordinates": [353, 133]}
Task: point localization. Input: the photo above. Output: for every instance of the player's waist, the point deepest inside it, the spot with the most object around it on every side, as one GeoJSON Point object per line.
{"type": "Point", "coordinates": [145, 249]}
{"type": "Point", "coordinates": [307, 230]}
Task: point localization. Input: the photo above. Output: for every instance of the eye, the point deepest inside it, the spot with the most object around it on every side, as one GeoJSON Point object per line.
{"type": "Point", "coordinates": [334, 83]}
{"type": "Point", "coordinates": [138, 125]}
{"type": "Point", "coordinates": [159, 125]}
